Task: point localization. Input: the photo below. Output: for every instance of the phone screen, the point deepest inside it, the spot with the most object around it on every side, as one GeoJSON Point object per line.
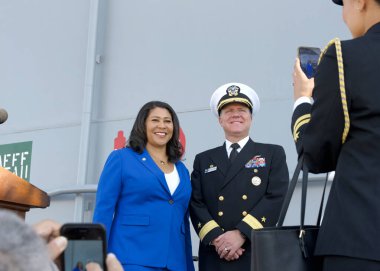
{"type": "Point", "coordinates": [309, 57]}
{"type": "Point", "coordinates": [86, 243]}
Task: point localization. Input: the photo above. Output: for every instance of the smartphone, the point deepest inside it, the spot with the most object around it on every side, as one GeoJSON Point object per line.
{"type": "Point", "coordinates": [86, 243]}
{"type": "Point", "coordinates": [309, 57]}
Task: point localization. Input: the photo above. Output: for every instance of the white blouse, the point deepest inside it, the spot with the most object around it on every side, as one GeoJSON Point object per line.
{"type": "Point", "coordinates": [172, 179]}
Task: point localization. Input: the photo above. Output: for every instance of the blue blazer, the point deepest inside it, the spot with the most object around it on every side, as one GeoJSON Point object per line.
{"type": "Point", "coordinates": [145, 224]}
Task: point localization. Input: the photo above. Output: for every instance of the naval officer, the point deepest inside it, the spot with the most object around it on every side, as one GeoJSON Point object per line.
{"type": "Point", "coordinates": [238, 186]}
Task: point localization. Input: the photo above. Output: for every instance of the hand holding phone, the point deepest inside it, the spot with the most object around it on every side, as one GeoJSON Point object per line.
{"type": "Point", "coordinates": [86, 243]}
{"type": "Point", "coordinates": [49, 231]}
{"type": "Point", "coordinates": [112, 264]}
{"type": "Point", "coordinates": [309, 57]}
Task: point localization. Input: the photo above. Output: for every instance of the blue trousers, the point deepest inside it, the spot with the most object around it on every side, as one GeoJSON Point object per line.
{"type": "Point", "coordinates": [132, 267]}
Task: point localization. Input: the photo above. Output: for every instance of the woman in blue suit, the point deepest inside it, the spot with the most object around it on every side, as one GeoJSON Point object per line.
{"type": "Point", "coordinates": [143, 196]}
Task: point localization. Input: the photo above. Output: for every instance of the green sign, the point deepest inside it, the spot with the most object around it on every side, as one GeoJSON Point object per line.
{"type": "Point", "coordinates": [17, 158]}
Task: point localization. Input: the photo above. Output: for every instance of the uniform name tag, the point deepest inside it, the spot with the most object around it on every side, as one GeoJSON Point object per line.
{"type": "Point", "coordinates": [211, 169]}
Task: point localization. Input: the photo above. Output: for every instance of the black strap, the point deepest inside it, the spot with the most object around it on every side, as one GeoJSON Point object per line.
{"type": "Point", "coordinates": [322, 201]}
{"type": "Point", "coordinates": [305, 173]}
{"type": "Point", "coordinates": [290, 192]}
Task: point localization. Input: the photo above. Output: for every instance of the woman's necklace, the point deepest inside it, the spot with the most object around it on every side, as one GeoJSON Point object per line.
{"type": "Point", "coordinates": [159, 161]}
{"type": "Point", "coordinates": [163, 164]}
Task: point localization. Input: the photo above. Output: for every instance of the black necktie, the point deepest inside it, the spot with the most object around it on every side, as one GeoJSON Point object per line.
{"type": "Point", "coordinates": [234, 152]}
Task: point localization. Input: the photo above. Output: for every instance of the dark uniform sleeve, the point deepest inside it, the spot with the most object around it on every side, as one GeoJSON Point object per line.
{"type": "Point", "coordinates": [266, 211]}
{"type": "Point", "coordinates": [317, 129]}
{"type": "Point", "coordinates": [205, 226]}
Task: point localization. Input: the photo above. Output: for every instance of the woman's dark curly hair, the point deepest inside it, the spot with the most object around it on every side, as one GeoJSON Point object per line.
{"type": "Point", "coordinates": [138, 138]}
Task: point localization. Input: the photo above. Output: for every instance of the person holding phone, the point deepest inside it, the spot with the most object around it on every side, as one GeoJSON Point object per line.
{"type": "Point", "coordinates": [56, 244]}
{"type": "Point", "coordinates": [143, 195]}
{"type": "Point", "coordinates": [22, 248]}
{"type": "Point", "coordinates": [349, 237]}
{"type": "Point", "coordinates": [27, 248]}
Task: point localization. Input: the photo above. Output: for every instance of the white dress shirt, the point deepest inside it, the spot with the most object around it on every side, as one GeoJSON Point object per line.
{"type": "Point", "coordinates": [241, 144]}
{"type": "Point", "coordinates": [301, 100]}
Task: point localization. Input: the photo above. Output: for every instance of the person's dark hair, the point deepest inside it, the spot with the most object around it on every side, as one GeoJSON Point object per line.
{"type": "Point", "coordinates": [138, 139]}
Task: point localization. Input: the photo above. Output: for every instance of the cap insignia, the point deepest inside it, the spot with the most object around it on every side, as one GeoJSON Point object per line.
{"type": "Point", "coordinates": [233, 90]}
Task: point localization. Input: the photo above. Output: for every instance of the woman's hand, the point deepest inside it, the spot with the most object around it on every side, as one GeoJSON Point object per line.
{"type": "Point", "coordinates": [302, 85]}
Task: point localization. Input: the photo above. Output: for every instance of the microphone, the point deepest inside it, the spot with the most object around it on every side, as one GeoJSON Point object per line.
{"type": "Point", "coordinates": [3, 115]}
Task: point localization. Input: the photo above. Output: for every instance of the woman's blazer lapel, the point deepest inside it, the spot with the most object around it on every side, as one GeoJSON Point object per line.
{"type": "Point", "coordinates": [183, 177]}
{"type": "Point", "coordinates": [146, 160]}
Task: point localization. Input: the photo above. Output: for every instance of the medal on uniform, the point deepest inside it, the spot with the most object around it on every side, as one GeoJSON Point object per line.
{"type": "Point", "coordinates": [256, 181]}
{"type": "Point", "coordinates": [256, 162]}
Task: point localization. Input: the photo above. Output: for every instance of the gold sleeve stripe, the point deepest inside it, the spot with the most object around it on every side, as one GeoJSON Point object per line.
{"type": "Point", "coordinates": [295, 134]}
{"type": "Point", "coordinates": [342, 86]}
{"type": "Point", "coordinates": [303, 117]}
{"type": "Point", "coordinates": [252, 222]}
{"type": "Point", "coordinates": [209, 226]}
{"type": "Point", "coordinates": [298, 124]}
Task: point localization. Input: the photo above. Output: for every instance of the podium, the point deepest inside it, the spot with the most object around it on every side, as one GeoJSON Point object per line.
{"type": "Point", "coordinates": [18, 195]}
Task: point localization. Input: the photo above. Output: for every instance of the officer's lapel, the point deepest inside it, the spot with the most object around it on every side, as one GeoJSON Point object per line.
{"type": "Point", "coordinates": [148, 162]}
{"type": "Point", "coordinates": [244, 155]}
{"type": "Point", "coordinates": [219, 157]}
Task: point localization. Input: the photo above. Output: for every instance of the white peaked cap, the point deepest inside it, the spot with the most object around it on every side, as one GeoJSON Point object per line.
{"type": "Point", "coordinates": [234, 93]}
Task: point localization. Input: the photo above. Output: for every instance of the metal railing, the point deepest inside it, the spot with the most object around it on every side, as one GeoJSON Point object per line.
{"type": "Point", "coordinates": [78, 190]}
{"type": "Point", "coordinates": [91, 188]}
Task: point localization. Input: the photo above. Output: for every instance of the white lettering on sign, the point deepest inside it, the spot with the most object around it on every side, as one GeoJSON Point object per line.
{"type": "Point", "coordinates": [24, 156]}
{"type": "Point", "coordinates": [21, 171]}
{"type": "Point", "coordinates": [14, 158]}
{"type": "Point", "coordinates": [15, 162]}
